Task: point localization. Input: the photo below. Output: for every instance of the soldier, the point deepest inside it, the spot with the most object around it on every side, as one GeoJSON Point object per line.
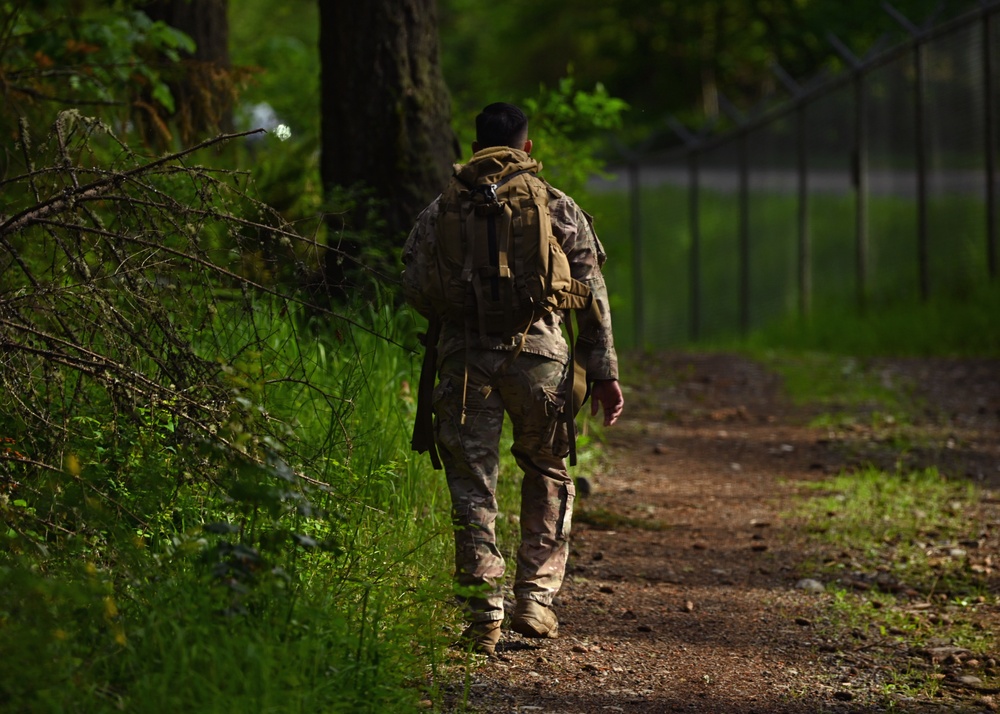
{"type": "Point", "coordinates": [525, 376]}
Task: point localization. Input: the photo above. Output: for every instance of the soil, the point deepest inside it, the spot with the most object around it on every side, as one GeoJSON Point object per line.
{"type": "Point", "coordinates": [685, 589]}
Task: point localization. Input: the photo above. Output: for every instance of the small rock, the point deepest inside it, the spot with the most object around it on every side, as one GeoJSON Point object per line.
{"type": "Point", "coordinates": [803, 621]}
{"type": "Point", "coordinates": [607, 589]}
{"type": "Point", "coordinates": [688, 606]}
{"type": "Point", "coordinates": [968, 680]}
{"type": "Point", "coordinates": [580, 649]}
{"type": "Point", "coordinates": [810, 585]}
{"type": "Point", "coordinates": [939, 654]}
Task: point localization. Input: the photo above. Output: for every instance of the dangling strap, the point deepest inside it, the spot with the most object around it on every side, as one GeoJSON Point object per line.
{"type": "Point", "coordinates": [577, 385]}
{"type": "Point", "coordinates": [423, 424]}
{"type": "Point", "coordinates": [569, 412]}
{"type": "Point", "coordinates": [465, 375]}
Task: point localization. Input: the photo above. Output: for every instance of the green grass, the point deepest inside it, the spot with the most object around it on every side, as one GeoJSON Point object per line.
{"type": "Point", "coordinates": [962, 315]}
{"type": "Point", "coordinates": [967, 327]}
{"type": "Point", "coordinates": [245, 588]}
{"type": "Point", "coordinates": [889, 547]}
{"type": "Point", "coordinates": [869, 510]}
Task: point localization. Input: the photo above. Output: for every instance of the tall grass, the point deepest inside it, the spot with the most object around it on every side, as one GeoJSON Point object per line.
{"type": "Point", "coordinates": [315, 582]}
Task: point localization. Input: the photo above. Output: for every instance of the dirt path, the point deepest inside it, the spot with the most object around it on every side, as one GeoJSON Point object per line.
{"type": "Point", "coordinates": [684, 590]}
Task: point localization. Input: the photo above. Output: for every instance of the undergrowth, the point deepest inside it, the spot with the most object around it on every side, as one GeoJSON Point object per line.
{"type": "Point", "coordinates": [208, 496]}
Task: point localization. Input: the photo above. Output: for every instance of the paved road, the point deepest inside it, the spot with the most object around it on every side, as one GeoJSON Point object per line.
{"type": "Point", "coordinates": [971, 182]}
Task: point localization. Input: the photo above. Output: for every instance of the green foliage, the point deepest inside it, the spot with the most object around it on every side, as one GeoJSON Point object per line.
{"type": "Point", "coordinates": [111, 59]}
{"type": "Point", "coordinates": [570, 126]}
{"type": "Point", "coordinates": [204, 478]}
{"type": "Point", "coordinates": [672, 57]}
{"type": "Point", "coordinates": [284, 62]}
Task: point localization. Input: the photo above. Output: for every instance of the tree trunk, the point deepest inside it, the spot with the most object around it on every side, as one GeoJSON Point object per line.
{"type": "Point", "coordinates": [385, 108]}
{"type": "Point", "coordinates": [204, 92]}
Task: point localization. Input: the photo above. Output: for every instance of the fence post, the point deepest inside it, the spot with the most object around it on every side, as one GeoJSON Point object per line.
{"type": "Point", "coordinates": [989, 117]}
{"type": "Point", "coordinates": [692, 142]}
{"type": "Point", "coordinates": [744, 234]}
{"type": "Point", "coordinates": [743, 230]}
{"type": "Point", "coordinates": [919, 63]}
{"type": "Point", "coordinates": [694, 225]}
{"type": "Point", "coordinates": [638, 287]}
{"type": "Point", "coordinates": [923, 247]}
{"type": "Point", "coordinates": [805, 244]}
{"type": "Point", "coordinates": [802, 161]}
{"type": "Point", "coordinates": [859, 170]}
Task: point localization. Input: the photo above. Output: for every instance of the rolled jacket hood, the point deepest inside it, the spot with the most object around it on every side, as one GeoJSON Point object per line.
{"type": "Point", "coordinates": [493, 163]}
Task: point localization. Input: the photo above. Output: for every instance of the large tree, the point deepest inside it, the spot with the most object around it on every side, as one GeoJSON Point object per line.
{"type": "Point", "coordinates": [203, 89]}
{"type": "Point", "coordinates": [386, 113]}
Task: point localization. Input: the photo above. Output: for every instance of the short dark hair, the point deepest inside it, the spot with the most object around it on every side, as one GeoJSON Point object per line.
{"type": "Point", "coordinates": [501, 124]}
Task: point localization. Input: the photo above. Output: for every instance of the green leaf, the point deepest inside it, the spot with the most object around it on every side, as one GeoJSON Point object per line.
{"type": "Point", "coordinates": [162, 94]}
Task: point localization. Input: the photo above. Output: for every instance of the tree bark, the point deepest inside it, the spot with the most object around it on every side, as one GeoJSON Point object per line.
{"type": "Point", "coordinates": [204, 92]}
{"type": "Point", "coordinates": [385, 109]}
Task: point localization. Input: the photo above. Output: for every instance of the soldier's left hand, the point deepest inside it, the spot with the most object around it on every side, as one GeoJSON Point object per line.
{"type": "Point", "coordinates": [607, 393]}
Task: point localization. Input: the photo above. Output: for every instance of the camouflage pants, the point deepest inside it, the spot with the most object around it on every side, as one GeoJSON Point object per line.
{"type": "Point", "coordinates": [530, 392]}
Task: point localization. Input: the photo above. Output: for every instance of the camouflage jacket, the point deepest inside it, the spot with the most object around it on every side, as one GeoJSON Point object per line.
{"type": "Point", "coordinates": [574, 230]}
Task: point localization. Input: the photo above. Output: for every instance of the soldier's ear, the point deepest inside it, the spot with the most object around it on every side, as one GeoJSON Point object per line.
{"type": "Point", "coordinates": [527, 146]}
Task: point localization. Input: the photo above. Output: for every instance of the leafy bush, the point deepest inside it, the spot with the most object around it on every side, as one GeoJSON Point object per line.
{"type": "Point", "coordinates": [198, 467]}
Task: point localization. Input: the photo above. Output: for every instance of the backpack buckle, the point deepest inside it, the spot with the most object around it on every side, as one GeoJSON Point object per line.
{"type": "Point", "coordinates": [488, 192]}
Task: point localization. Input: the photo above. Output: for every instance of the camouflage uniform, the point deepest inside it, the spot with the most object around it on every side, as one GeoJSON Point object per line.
{"type": "Point", "coordinates": [530, 390]}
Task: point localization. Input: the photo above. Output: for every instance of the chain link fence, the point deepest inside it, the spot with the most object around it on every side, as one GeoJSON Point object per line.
{"type": "Point", "coordinates": [873, 188]}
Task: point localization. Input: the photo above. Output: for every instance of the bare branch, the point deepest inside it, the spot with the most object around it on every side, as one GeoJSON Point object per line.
{"type": "Point", "coordinates": [69, 198]}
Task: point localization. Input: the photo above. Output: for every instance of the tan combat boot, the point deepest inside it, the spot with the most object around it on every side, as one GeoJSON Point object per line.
{"type": "Point", "coordinates": [481, 637]}
{"type": "Point", "coordinates": [533, 619]}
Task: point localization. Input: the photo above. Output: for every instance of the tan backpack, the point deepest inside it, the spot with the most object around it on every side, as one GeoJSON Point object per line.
{"type": "Point", "coordinates": [493, 263]}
